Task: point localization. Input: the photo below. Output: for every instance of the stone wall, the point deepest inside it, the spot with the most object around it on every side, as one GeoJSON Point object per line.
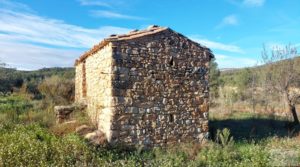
{"type": "Point", "coordinates": [160, 90]}
{"type": "Point", "coordinates": [98, 75]}
{"type": "Point", "coordinates": [151, 90]}
{"type": "Point", "coordinates": [78, 83]}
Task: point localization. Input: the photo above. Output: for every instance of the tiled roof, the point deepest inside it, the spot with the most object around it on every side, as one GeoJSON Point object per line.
{"type": "Point", "coordinates": [131, 35]}
{"type": "Point", "coordinates": [136, 33]}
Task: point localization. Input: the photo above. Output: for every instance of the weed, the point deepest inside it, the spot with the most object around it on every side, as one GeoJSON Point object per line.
{"type": "Point", "coordinates": [224, 138]}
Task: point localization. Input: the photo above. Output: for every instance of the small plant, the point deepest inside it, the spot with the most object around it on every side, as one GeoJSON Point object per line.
{"type": "Point", "coordinates": [224, 138]}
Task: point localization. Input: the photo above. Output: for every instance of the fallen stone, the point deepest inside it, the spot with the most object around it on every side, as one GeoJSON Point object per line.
{"type": "Point", "coordinates": [83, 130]}
{"type": "Point", "coordinates": [64, 110]}
{"type": "Point", "coordinates": [96, 137]}
{"type": "Point", "coordinates": [69, 122]}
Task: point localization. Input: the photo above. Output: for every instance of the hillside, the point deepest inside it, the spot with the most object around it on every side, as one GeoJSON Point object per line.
{"type": "Point", "coordinates": [12, 78]}
{"type": "Point", "coordinates": [233, 76]}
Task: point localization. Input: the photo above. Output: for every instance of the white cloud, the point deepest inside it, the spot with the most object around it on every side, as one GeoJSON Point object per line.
{"type": "Point", "coordinates": [254, 3]}
{"type": "Point", "coordinates": [26, 27]}
{"type": "Point", "coordinates": [94, 3]}
{"type": "Point", "coordinates": [31, 41]}
{"type": "Point", "coordinates": [113, 15]}
{"type": "Point", "coordinates": [218, 46]}
{"type": "Point", "coordinates": [28, 56]}
{"type": "Point", "coordinates": [230, 20]}
{"type": "Point", "coordinates": [105, 3]}
{"type": "Point", "coordinates": [225, 61]}
{"type": "Point", "coordinates": [112, 4]}
{"type": "Point", "coordinates": [8, 4]}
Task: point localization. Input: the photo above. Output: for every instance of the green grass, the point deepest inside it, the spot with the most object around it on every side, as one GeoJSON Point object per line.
{"type": "Point", "coordinates": [12, 107]}
{"type": "Point", "coordinates": [16, 104]}
{"type": "Point", "coordinates": [33, 145]}
{"type": "Point", "coordinates": [21, 109]}
{"type": "Point", "coordinates": [251, 126]}
{"type": "Point", "coordinates": [258, 140]}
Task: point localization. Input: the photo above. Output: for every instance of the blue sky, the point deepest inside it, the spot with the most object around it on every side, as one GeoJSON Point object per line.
{"type": "Point", "coordinates": [50, 33]}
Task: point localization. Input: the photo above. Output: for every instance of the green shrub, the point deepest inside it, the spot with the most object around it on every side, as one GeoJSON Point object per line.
{"type": "Point", "coordinates": [13, 106]}
{"type": "Point", "coordinates": [15, 103]}
{"type": "Point", "coordinates": [57, 90]}
{"type": "Point", "coordinates": [224, 138]}
{"type": "Point", "coordinates": [28, 138]}
{"type": "Point", "coordinates": [32, 145]}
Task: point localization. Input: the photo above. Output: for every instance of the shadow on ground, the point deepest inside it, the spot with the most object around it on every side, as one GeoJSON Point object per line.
{"type": "Point", "coordinates": [254, 128]}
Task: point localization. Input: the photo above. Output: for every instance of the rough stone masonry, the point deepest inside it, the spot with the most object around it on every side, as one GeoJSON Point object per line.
{"type": "Point", "coordinates": [148, 87]}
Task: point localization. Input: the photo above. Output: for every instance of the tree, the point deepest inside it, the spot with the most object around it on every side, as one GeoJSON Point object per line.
{"type": "Point", "coordinates": [243, 80]}
{"type": "Point", "coordinates": [215, 81]}
{"type": "Point", "coordinates": [281, 75]}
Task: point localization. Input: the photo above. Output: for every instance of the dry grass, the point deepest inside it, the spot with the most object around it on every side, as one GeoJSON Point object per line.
{"type": "Point", "coordinates": [64, 128]}
{"type": "Point", "coordinates": [221, 110]}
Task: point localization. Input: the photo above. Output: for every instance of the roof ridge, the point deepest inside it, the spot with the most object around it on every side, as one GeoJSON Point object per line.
{"type": "Point", "coordinates": [136, 33]}
{"type": "Point", "coordinates": [153, 29]}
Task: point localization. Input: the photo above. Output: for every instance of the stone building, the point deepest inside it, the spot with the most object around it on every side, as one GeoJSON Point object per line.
{"type": "Point", "coordinates": [147, 87]}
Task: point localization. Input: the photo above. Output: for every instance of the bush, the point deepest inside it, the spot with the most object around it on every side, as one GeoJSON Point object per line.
{"type": "Point", "coordinates": [19, 109]}
{"type": "Point", "coordinates": [13, 106]}
{"type": "Point", "coordinates": [28, 138]}
{"type": "Point", "coordinates": [32, 145]}
{"type": "Point", "coordinates": [57, 90]}
{"type": "Point", "coordinates": [15, 103]}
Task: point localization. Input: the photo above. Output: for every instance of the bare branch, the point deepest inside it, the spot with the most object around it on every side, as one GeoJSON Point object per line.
{"type": "Point", "coordinates": [281, 73]}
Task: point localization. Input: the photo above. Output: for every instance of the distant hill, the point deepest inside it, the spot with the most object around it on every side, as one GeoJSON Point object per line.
{"type": "Point", "coordinates": [234, 76]}
{"type": "Point", "coordinates": [225, 71]}
{"type": "Point", "coordinates": [12, 78]}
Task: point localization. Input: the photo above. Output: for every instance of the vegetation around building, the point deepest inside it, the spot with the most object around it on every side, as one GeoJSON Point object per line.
{"type": "Point", "coordinates": [248, 125]}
